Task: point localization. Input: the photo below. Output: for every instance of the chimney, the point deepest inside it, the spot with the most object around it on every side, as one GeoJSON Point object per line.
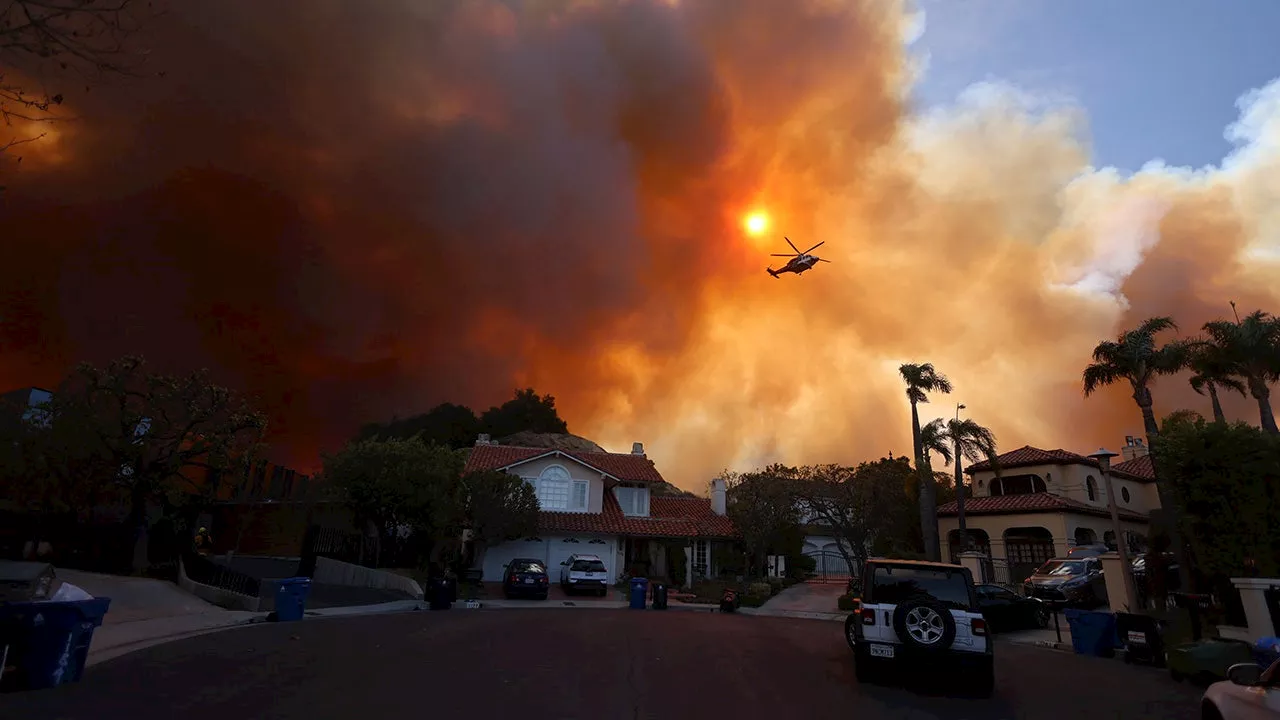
{"type": "Point", "coordinates": [1133, 448]}
{"type": "Point", "coordinates": [637, 448]}
{"type": "Point", "coordinates": [718, 498]}
{"type": "Point", "coordinates": [482, 439]}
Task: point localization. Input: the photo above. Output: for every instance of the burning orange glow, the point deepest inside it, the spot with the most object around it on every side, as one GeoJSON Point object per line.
{"type": "Point", "coordinates": [563, 194]}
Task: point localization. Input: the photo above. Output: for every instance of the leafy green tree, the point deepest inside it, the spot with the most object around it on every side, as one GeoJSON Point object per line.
{"type": "Point", "coordinates": [1224, 479]}
{"type": "Point", "coordinates": [445, 424]}
{"type": "Point", "coordinates": [398, 487]}
{"type": "Point", "coordinates": [1212, 370]}
{"type": "Point", "coordinates": [526, 411]}
{"type": "Point", "coordinates": [1251, 347]}
{"type": "Point", "coordinates": [175, 441]}
{"type": "Point", "coordinates": [864, 508]}
{"type": "Point", "coordinates": [922, 379]}
{"type": "Point", "coordinates": [764, 510]}
{"type": "Point", "coordinates": [499, 507]}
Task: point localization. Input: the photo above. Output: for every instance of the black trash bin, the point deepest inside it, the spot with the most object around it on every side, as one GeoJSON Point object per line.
{"type": "Point", "coordinates": [46, 644]}
{"type": "Point", "coordinates": [440, 594]}
{"type": "Point", "coordinates": [1143, 639]}
{"type": "Point", "coordinates": [659, 596]}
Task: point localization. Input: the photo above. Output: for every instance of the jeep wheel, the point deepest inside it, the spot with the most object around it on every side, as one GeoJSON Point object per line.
{"type": "Point", "coordinates": [925, 624]}
{"type": "Point", "coordinates": [851, 631]}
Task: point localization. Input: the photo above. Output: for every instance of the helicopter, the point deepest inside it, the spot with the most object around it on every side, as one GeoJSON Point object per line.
{"type": "Point", "coordinates": [799, 262]}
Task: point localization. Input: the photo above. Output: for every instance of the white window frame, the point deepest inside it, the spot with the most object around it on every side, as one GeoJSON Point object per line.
{"type": "Point", "coordinates": [576, 503]}
{"type": "Point", "coordinates": [638, 507]}
{"type": "Point", "coordinates": [550, 489]}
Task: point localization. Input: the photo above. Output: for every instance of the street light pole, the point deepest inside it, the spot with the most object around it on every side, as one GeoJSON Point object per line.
{"type": "Point", "coordinates": [1103, 456]}
{"type": "Point", "coordinates": [955, 442]}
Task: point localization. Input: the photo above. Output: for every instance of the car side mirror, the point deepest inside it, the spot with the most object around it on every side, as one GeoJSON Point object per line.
{"type": "Point", "coordinates": [1246, 674]}
{"type": "Point", "coordinates": [566, 562]}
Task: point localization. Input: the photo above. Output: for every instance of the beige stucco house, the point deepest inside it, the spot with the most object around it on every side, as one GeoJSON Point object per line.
{"type": "Point", "coordinates": [1045, 501]}
{"type": "Point", "coordinates": [604, 504]}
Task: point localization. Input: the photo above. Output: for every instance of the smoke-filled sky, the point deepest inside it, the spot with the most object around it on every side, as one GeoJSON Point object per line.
{"type": "Point", "coordinates": [355, 209]}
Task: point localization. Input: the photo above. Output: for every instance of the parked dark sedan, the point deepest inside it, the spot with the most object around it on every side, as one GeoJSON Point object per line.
{"type": "Point", "coordinates": [1005, 610]}
{"type": "Point", "coordinates": [526, 578]}
{"type": "Point", "coordinates": [1069, 582]}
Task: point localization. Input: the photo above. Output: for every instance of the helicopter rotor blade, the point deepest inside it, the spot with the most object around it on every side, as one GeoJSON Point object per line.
{"type": "Point", "coordinates": [793, 245]}
{"type": "Point", "coordinates": [815, 247]}
{"type": "Point", "coordinates": [821, 260]}
{"type": "Point", "coordinates": [781, 255]}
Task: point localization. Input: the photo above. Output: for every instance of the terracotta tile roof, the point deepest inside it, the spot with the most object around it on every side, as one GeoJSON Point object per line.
{"type": "Point", "coordinates": [1140, 467]}
{"type": "Point", "coordinates": [1029, 503]}
{"type": "Point", "coordinates": [1027, 455]}
{"type": "Point", "coordinates": [623, 466]}
{"type": "Point", "coordinates": [668, 517]}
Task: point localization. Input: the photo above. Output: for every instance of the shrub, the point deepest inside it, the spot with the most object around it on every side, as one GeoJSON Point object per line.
{"type": "Point", "coordinates": [846, 603]}
{"type": "Point", "coordinates": [775, 586]}
{"type": "Point", "coordinates": [801, 566]}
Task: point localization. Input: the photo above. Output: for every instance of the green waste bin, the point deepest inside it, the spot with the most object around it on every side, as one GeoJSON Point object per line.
{"type": "Point", "coordinates": [1207, 661]}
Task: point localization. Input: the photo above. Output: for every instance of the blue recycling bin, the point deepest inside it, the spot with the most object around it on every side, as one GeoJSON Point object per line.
{"type": "Point", "coordinates": [291, 598]}
{"type": "Point", "coordinates": [1092, 633]}
{"type": "Point", "coordinates": [639, 591]}
{"type": "Point", "coordinates": [47, 643]}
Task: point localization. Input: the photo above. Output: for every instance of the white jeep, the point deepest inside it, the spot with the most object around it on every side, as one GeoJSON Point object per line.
{"type": "Point", "coordinates": [915, 614]}
{"type": "Point", "coordinates": [584, 572]}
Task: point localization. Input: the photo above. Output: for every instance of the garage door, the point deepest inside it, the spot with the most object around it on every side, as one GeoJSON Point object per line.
{"type": "Point", "coordinates": [561, 548]}
{"type": "Point", "coordinates": [496, 558]}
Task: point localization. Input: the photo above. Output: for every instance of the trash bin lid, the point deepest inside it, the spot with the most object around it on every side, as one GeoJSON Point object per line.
{"type": "Point", "coordinates": [17, 571]}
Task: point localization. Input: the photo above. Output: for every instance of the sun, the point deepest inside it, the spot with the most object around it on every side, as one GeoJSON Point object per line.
{"type": "Point", "coordinates": [755, 223]}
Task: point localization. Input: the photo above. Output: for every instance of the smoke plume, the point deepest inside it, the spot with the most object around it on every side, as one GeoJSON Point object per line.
{"type": "Point", "coordinates": [358, 209]}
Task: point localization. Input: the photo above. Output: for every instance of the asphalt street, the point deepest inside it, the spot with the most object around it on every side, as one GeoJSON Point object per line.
{"type": "Point", "coordinates": [567, 664]}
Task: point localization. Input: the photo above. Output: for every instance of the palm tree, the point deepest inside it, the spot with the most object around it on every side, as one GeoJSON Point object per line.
{"type": "Point", "coordinates": [1212, 370]}
{"type": "Point", "coordinates": [974, 443]}
{"type": "Point", "coordinates": [1252, 348]}
{"type": "Point", "coordinates": [959, 440]}
{"type": "Point", "coordinates": [922, 379]}
{"type": "Point", "coordinates": [1135, 357]}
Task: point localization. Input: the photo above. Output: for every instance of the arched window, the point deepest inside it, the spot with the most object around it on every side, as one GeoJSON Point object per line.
{"type": "Point", "coordinates": [1091, 487]}
{"type": "Point", "coordinates": [1017, 485]}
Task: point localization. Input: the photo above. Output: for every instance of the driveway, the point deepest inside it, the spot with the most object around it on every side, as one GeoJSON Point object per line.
{"type": "Point", "coordinates": [806, 598]}
{"type": "Point", "coordinates": [572, 664]}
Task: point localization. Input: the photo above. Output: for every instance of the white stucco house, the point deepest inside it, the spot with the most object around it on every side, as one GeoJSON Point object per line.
{"type": "Point", "coordinates": [602, 503]}
{"type": "Point", "coordinates": [1045, 501]}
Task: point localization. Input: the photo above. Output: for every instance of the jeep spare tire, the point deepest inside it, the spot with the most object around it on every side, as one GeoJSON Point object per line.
{"type": "Point", "coordinates": [924, 624]}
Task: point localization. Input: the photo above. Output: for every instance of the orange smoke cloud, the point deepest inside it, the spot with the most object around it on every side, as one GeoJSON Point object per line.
{"type": "Point", "coordinates": [366, 209]}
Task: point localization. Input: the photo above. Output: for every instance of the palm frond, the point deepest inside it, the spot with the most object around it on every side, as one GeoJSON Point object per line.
{"type": "Point", "coordinates": [934, 439]}
{"type": "Point", "coordinates": [1099, 375]}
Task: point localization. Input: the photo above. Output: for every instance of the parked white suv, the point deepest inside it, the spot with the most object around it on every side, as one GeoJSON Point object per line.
{"type": "Point", "coordinates": [916, 614]}
{"type": "Point", "coordinates": [584, 572]}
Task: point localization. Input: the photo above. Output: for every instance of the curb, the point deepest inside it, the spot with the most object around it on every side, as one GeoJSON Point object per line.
{"type": "Point", "coordinates": [109, 653]}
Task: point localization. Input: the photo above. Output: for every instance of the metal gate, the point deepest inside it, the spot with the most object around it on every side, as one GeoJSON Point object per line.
{"type": "Point", "coordinates": [828, 567]}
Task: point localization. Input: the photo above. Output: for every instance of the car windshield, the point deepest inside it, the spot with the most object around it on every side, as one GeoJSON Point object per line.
{"type": "Point", "coordinates": [587, 566]}
{"type": "Point", "coordinates": [895, 585]}
{"type": "Point", "coordinates": [528, 567]}
{"type": "Point", "coordinates": [1059, 568]}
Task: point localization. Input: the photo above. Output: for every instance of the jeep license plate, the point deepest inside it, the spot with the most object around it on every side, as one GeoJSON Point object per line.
{"type": "Point", "coordinates": [1137, 637]}
{"type": "Point", "coordinates": [882, 651]}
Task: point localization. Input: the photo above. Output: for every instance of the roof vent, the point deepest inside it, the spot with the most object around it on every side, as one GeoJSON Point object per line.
{"type": "Point", "coordinates": [637, 448]}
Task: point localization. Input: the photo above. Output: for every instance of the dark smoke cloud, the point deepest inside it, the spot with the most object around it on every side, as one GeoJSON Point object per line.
{"type": "Point", "coordinates": [358, 209]}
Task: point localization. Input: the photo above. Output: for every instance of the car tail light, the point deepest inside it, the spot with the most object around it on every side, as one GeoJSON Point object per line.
{"type": "Point", "coordinates": [868, 617]}
{"type": "Point", "coordinates": [515, 579]}
{"type": "Point", "coordinates": [979, 627]}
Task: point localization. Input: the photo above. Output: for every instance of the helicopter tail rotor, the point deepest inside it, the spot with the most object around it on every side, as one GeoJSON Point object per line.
{"type": "Point", "coordinates": [771, 271]}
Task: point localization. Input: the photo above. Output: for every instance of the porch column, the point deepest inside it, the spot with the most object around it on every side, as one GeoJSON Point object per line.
{"type": "Point", "coordinates": [1253, 598]}
{"type": "Point", "coordinates": [973, 561]}
{"type": "Point", "coordinates": [688, 566]}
